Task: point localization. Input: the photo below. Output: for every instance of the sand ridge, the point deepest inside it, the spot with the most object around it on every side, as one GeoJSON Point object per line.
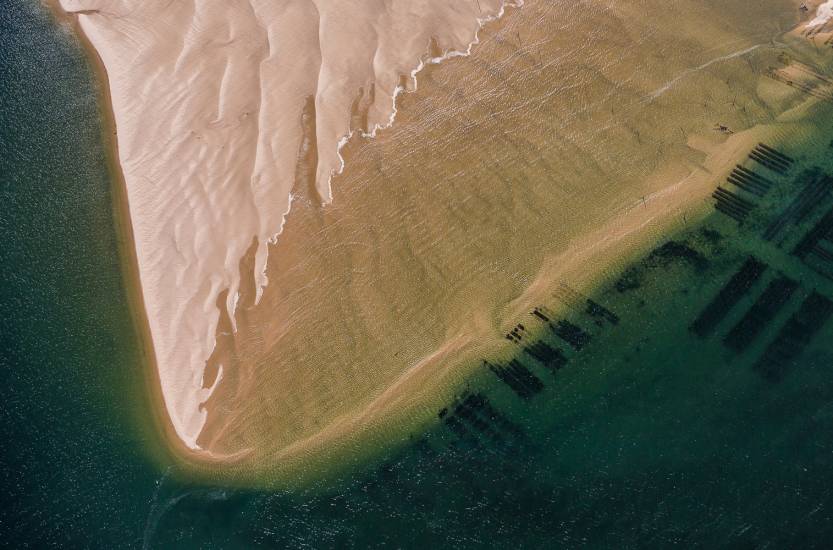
{"type": "Point", "coordinates": [208, 99]}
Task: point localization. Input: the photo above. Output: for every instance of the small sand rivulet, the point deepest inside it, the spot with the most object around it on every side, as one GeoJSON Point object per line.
{"type": "Point", "coordinates": [572, 132]}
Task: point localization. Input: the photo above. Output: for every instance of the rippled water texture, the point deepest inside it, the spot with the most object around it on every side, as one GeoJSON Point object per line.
{"type": "Point", "coordinates": [653, 430]}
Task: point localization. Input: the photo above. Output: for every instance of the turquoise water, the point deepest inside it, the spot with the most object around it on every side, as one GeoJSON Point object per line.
{"type": "Point", "coordinates": [649, 436]}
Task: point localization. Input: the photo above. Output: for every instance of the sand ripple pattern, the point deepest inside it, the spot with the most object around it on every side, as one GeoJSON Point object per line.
{"type": "Point", "coordinates": [209, 98]}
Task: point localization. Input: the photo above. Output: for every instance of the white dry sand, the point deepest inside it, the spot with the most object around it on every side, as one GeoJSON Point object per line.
{"type": "Point", "coordinates": [208, 98]}
{"type": "Point", "coordinates": [823, 15]}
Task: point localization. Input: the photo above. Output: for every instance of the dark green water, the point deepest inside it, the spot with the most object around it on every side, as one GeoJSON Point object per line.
{"type": "Point", "coordinates": [650, 436]}
{"type": "Point", "coordinates": [72, 467]}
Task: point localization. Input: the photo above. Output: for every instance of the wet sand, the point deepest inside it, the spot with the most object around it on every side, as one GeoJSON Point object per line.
{"type": "Point", "coordinates": [472, 206]}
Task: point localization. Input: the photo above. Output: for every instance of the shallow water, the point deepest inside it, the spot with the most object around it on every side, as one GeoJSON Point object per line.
{"type": "Point", "coordinates": [648, 436]}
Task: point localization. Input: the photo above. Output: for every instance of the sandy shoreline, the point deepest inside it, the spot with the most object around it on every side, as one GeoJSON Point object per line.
{"type": "Point", "coordinates": [173, 446]}
{"type": "Point", "coordinates": [367, 417]}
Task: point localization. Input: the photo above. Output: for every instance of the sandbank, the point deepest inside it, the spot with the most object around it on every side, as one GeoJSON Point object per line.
{"type": "Point", "coordinates": [524, 164]}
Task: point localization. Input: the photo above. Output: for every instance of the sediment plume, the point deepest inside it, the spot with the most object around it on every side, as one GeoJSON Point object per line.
{"type": "Point", "coordinates": [216, 104]}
